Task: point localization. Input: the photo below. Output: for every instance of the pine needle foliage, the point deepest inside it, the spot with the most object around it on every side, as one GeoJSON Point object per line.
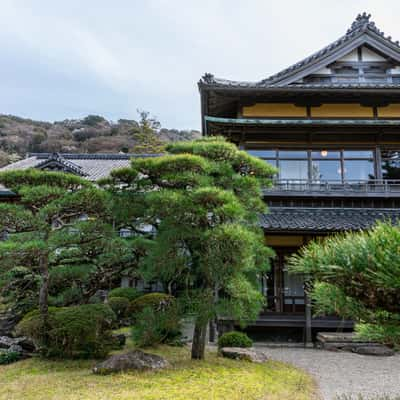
{"type": "Point", "coordinates": [357, 276]}
{"type": "Point", "coordinates": [202, 201]}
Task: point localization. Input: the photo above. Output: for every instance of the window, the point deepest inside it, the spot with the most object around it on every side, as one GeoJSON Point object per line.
{"type": "Point", "coordinates": [293, 169]}
{"type": "Point", "coordinates": [326, 170]}
{"type": "Point", "coordinates": [328, 165]}
{"type": "Point", "coordinates": [358, 170]}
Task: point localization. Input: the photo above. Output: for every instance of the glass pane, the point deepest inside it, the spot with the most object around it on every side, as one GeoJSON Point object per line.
{"type": "Point", "coordinates": [263, 153]}
{"type": "Point", "coordinates": [272, 162]}
{"type": "Point", "coordinates": [358, 154]}
{"type": "Point", "coordinates": [359, 170]}
{"type": "Point", "coordinates": [294, 170]}
{"type": "Point", "coordinates": [325, 154]}
{"type": "Point", "coordinates": [293, 286]}
{"type": "Point", "coordinates": [326, 171]}
{"type": "Point", "coordinates": [391, 169]}
{"type": "Point", "coordinates": [292, 153]}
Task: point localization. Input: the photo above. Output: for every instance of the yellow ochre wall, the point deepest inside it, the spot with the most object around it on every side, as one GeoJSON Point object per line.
{"type": "Point", "coordinates": [329, 110]}
{"type": "Point", "coordinates": [274, 110]}
{"type": "Point", "coordinates": [342, 110]}
{"type": "Point", "coordinates": [390, 111]}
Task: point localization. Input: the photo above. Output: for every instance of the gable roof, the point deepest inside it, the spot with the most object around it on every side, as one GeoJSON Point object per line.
{"type": "Point", "coordinates": [57, 161]}
{"type": "Point", "coordinates": [90, 166]}
{"type": "Point", "coordinates": [362, 32]}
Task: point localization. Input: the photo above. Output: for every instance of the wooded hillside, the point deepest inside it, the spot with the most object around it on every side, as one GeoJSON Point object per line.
{"type": "Point", "coordinates": [92, 134]}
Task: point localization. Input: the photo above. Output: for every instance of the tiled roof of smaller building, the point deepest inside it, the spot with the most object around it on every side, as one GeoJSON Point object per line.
{"type": "Point", "coordinates": [297, 219]}
{"type": "Point", "coordinates": [90, 166]}
{"type": "Point", "coordinates": [4, 192]}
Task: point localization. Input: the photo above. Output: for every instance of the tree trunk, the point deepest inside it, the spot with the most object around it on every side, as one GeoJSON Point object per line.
{"type": "Point", "coordinates": [199, 339]}
{"type": "Point", "coordinates": [43, 295]}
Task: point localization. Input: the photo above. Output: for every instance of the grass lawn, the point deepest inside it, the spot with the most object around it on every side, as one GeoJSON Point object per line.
{"type": "Point", "coordinates": [214, 378]}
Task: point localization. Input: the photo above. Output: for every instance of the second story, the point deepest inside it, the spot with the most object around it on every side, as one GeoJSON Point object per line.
{"type": "Point", "coordinates": [329, 123]}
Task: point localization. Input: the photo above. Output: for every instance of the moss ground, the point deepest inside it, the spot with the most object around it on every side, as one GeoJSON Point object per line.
{"type": "Point", "coordinates": [212, 379]}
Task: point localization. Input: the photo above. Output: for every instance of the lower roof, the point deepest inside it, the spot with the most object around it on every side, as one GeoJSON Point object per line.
{"type": "Point", "coordinates": [299, 219]}
{"type": "Point", "coordinates": [90, 166]}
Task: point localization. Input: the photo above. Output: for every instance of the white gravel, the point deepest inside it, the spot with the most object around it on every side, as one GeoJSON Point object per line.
{"type": "Point", "coordinates": [343, 373]}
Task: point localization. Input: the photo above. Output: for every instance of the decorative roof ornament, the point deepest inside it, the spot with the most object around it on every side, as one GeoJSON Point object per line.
{"type": "Point", "coordinates": [57, 161]}
{"type": "Point", "coordinates": [362, 21]}
{"type": "Point", "coordinates": [208, 78]}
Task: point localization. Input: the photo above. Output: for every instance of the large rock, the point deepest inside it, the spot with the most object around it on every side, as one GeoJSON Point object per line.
{"type": "Point", "coordinates": [239, 353]}
{"type": "Point", "coordinates": [378, 350]}
{"type": "Point", "coordinates": [134, 360]}
{"type": "Point", "coordinates": [21, 345]}
{"type": "Point", "coordinates": [6, 342]}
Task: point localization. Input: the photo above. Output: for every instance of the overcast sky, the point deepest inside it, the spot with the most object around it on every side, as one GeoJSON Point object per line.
{"type": "Point", "coordinates": [69, 58]}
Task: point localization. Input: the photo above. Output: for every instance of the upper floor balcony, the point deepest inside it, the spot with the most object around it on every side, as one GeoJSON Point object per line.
{"type": "Point", "coordinates": [335, 188]}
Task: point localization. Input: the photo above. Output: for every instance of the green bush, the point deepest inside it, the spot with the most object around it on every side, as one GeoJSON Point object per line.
{"type": "Point", "coordinates": [8, 357]}
{"type": "Point", "coordinates": [154, 327]}
{"type": "Point", "coordinates": [127, 292]}
{"type": "Point", "coordinates": [234, 339]}
{"type": "Point", "coordinates": [156, 301]}
{"type": "Point", "coordinates": [72, 332]}
{"type": "Point", "coordinates": [120, 306]}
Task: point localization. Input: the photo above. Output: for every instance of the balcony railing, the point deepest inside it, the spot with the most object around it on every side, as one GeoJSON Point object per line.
{"type": "Point", "coordinates": [371, 186]}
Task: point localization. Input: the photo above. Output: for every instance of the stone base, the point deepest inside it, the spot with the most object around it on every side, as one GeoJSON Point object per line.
{"type": "Point", "coordinates": [347, 341]}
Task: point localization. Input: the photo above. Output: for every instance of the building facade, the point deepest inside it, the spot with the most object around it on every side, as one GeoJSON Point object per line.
{"type": "Point", "coordinates": [331, 125]}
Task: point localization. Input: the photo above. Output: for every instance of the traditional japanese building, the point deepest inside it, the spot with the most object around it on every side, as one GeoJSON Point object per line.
{"type": "Point", "coordinates": [331, 125]}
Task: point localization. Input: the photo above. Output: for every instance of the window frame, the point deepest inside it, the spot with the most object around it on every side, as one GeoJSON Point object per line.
{"type": "Point", "coordinates": [375, 158]}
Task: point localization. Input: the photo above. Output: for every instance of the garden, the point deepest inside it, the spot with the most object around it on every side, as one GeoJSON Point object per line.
{"type": "Point", "coordinates": [192, 219]}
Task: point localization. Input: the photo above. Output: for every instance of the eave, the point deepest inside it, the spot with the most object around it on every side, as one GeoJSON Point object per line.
{"type": "Point", "coordinates": [302, 122]}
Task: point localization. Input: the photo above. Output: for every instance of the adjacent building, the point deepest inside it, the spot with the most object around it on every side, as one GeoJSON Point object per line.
{"type": "Point", "coordinates": [331, 125]}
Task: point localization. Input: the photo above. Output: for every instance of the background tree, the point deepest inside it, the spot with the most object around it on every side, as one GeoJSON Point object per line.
{"type": "Point", "coordinates": [357, 276]}
{"type": "Point", "coordinates": [205, 245]}
{"type": "Point", "coordinates": [45, 231]}
{"type": "Point", "coordinates": [147, 139]}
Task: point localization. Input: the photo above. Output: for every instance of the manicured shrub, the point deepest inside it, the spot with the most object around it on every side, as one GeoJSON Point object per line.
{"type": "Point", "coordinates": [72, 332]}
{"type": "Point", "coordinates": [154, 327]}
{"type": "Point", "coordinates": [127, 292]}
{"type": "Point", "coordinates": [356, 275]}
{"type": "Point", "coordinates": [156, 301]}
{"type": "Point", "coordinates": [234, 339]}
{"type": "Point", "coordinates": [120, 306]}
{"type": "Point", "coordinates": [8, 357]}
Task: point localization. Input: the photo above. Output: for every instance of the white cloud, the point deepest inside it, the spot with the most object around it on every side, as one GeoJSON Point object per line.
{"type": "Point", "coordinates": [117, 56]}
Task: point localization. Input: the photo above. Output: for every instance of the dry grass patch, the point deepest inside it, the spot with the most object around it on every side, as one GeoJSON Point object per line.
{"type": "Point", "coordinates": [214, 378]}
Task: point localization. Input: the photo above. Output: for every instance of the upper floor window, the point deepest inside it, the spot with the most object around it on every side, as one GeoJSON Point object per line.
{"type": "Point", "coordinates": [320, 165]}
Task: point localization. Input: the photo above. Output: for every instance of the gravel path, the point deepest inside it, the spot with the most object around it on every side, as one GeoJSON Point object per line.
{"type": "Point", "coordinates": [344, 373]}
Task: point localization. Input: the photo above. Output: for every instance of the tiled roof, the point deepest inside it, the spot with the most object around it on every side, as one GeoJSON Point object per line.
{"type": "Point", "coordinates": [325, 219]}
{"type": "Point", "coordinates": [361, 29]}
{"type": "Point", "coordinates": [91, 166]}
{"type": "Point", "coordinates": [5, 192]}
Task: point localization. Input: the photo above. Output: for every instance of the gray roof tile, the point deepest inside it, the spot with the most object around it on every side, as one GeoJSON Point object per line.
{"type": "Point", "coordinates": [325, 219]}
{"type": "Point", "coordinates": [91, 166]}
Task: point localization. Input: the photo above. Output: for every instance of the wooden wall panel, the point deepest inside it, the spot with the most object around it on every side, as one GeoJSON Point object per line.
{"type": "Point", "coordinates": [284, 241]}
